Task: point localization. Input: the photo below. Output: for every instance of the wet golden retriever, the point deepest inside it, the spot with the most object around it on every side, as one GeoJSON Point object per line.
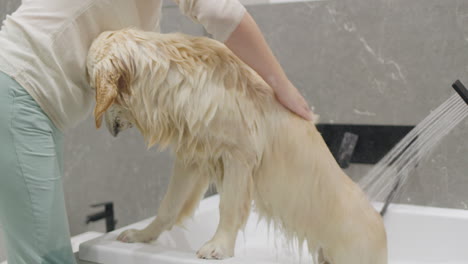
{"type": "Point", "coordinates": [225, 126]}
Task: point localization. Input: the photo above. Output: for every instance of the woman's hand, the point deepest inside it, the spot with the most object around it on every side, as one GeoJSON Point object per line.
{"type": "Point", "coordinates": [291, 98]}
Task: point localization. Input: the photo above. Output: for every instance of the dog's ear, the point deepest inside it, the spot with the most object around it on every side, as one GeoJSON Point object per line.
{"type": "Point", "coordinates": [106, 93]}
{"type": "Point", "coordinates": [111, 78]}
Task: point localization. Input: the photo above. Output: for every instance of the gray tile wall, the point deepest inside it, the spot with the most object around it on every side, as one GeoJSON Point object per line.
{"type": "Point", "coordinates": [7, 7]}
{"type": "Point", "coordinates": [356, 61]}
{"type": "Point", "coordinates": [381, 62]}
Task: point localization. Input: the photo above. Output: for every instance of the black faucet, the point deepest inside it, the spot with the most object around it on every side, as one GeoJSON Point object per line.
{"type": "Point", "coordinates": [107, 214]}
{"type": "Point", "coordinates": [346, 150]}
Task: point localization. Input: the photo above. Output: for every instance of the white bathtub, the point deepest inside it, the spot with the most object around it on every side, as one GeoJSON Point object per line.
{"type": "Point", "coordinates": [416, 235]}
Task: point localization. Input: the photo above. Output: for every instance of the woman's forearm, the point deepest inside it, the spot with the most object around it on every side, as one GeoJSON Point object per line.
{"type": "Point", "coordinates": [248, 43]}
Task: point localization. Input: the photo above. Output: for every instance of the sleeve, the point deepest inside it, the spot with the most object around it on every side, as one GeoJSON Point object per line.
{"type": "Point", "coordinates": [219, 17]}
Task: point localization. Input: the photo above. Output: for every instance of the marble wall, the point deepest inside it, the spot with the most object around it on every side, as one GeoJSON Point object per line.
{"type": "Point", "coordinates": [7, 7]}
{"type": "Point", "coordinates": [356, 61]}
{"type": "Point", "coordinates": [380, 62]}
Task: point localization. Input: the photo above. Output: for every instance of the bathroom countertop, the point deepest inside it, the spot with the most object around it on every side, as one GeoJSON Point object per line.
{"type": "Point", "coordinates": [416, 235]}
{"type": "Point", "coordinates": [77, 240]}
{"type": "Point", "coordinates": [78, 261]}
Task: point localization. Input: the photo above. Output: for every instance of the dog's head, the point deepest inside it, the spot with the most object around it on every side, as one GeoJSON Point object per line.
{"type": "Point", "coordinates": [109, 71]}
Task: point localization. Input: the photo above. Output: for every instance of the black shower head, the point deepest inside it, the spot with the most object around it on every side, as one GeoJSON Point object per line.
{"type": "Point", "coordinates": [461, 90]}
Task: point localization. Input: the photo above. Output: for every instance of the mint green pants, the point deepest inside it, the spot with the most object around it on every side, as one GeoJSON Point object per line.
{"type": "Point", "coordinates": [32, 207]}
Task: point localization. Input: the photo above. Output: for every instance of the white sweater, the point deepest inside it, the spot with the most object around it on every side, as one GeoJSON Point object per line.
{"type": "Point", "coordinates": [44, 44]}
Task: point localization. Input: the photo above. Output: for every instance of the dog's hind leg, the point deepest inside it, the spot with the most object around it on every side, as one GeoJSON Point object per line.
{"type": "Point", "coordinates": [234, 207]}
{"type": "Point", "coordinates": [186, 188]}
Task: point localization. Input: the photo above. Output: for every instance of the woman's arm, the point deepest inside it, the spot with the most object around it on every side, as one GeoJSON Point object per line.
{"type": "Point", "coordinates": [229, 22]}
{"type": "Point", "coordinates": [248, 44]}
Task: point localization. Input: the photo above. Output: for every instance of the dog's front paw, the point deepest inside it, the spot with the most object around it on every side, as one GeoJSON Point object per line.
{"type": "Point", "coordinates": [134, 236]}
{"type": "Point", "coordinates": [215, 250]}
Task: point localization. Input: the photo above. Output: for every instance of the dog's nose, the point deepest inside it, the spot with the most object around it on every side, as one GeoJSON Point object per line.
{"type": "Point", "coordinates": [115, 129]}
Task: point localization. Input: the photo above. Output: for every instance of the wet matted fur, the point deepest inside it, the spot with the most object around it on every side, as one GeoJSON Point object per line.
{"type": "Point", "coordinates": [225, 126]}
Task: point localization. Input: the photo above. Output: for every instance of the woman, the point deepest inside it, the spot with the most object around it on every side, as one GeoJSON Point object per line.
{"type": "Point", "coordinates": [44, 92]}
